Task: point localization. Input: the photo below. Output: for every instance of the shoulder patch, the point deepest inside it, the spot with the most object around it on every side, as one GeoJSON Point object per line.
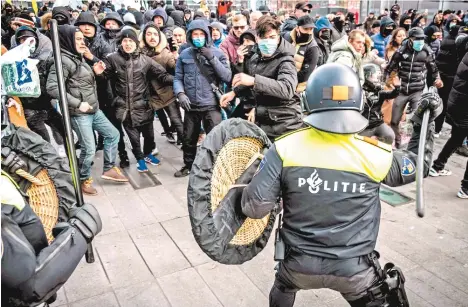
{"type": "Point", "coordinates": [374, 142]}
{"type": "Point", "coordinates": [408, 167]}
{"type": "Point", "coordinates": [292, 132]}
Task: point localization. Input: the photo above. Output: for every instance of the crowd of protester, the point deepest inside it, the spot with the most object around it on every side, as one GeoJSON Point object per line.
{"type": "Point", "coordinates": [124, 67]}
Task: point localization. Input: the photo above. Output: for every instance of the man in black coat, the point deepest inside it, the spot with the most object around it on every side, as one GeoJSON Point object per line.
{"type": "Point", "coordinates": [300, 10]}
{"type": "Point", "coordinates": [447, 64]}
{"type": "Point", "coordinates": [457, 116]}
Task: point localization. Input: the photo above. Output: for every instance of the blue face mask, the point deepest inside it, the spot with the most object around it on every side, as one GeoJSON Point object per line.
{"type": "Point", "coordinates": [198, 42]}
{"type": "Point", "coordinates": [418, 45]}
{"type": "Point", "coordinates": [267, 46]}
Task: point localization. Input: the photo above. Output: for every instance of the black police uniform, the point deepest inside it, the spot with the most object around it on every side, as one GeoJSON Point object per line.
{"type": "Point", "coordinates": [329, 183]}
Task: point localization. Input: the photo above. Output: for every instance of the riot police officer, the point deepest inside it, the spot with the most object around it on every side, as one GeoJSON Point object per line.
{"type": "Point", "coordinates": [329, 179]}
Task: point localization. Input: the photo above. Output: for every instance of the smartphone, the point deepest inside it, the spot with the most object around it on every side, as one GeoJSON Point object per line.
{"type": "Point", "coordinates": [171, 45]}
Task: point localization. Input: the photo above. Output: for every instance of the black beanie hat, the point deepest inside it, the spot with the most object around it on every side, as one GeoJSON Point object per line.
{"type": "Point", "coordinates": [128, 33]}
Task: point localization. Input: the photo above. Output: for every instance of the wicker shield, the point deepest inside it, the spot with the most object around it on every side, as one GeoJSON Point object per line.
{"type": "Point", "coordinates": [221, 159]}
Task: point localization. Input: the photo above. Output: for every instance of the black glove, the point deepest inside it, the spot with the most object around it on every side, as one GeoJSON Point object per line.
{"type": "Point", "coordinates": [87, 220]}
{"type": "Point", "coordinates": [429, 101]}
{"type": "Point", "coordinates": [11, 161]}
{"type": "Point", "coordinates": [184, 101]}
{"type": "Point", "coordinates": [207, 53]}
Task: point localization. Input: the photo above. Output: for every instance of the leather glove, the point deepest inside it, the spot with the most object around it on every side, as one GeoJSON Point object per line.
{"type": "Point", "coordinates": [207, 53]}
{"type": "Point", "coordinates": [184, 101]}
{"type": "Point", "coordinates": [429, 101]}
{"type": "Point", "coordinates": [11, 161]}
{"type": "Point", "coordinates": [87, 220]}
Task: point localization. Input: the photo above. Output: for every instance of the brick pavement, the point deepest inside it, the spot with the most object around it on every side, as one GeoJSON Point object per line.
{"type": "Point", "coordinates": [146, 254]}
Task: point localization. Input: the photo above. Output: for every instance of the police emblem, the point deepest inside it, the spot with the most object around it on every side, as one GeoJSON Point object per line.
{"type": "Point", "coordinates": [408, 168]}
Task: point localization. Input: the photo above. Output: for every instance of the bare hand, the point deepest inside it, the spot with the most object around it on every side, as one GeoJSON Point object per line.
{"type": "Point", "coordinates": [241, 52]}
{"type": "Point", "coordinates": [99, 67]}
{"type": "Point", "coordinates": [85, 107]}
{"type": "Point", "coordinates": [227, 98]}
{"type": "Point", "coordinates": [438, 83]}
{"type": "Point", "coordinates": [243, 79]}
{"type": "Point", "coordinates": [88, 55]}
{"type": "Point", "coordinates": [251, 116]}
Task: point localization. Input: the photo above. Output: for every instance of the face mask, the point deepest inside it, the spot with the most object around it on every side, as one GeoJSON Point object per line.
{"type": "Point", "coordinates": [302, 38]}
{"type": "Point", "coordinates": [198, 42]}
{"type": "Point", "coordinates": [418, 45]}
{"type": "Point", "coordinates": [387, 32]}
{"type": "Point", "coordinates": [406, 27]}
{"type": "Point", "coordinates": [267, 46]}
{"type": "Point", "coordinates": [325, 35]}
{"type": "Point", "coordinates": [216, 41]}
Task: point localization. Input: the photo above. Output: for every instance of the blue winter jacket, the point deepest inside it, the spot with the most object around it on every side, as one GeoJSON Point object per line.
{"type": "Point", "coordinates": [188, 78]}
{"type": "Point", "coordinates": [380, 42]}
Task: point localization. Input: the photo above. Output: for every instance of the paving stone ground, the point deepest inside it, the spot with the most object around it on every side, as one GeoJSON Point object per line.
{"type": "Point", "coordinates": [146, 254]}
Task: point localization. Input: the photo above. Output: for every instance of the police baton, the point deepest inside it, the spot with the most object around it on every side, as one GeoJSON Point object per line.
{"type": "Point", "coordinates": [420, 206]}
{"type": "Point", "coordinates": [63, 103]}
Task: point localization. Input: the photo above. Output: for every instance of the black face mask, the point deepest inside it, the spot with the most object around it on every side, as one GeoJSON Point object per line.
{"type": "Point", "coordinates": [326, 35]}
{"type": "Point", "coordinates": [302, 37]}
{"type": "Point", "coordinates": [387, 32]}
{"type": "Point", "coordinates": [406, 27]}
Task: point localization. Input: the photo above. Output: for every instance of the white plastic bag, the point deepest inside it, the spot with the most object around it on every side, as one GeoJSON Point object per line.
{"type": "Point", "coordinates": [20, 76]}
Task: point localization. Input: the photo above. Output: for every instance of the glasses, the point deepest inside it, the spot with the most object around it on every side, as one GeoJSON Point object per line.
{"type": "Point", "coordinates": [239, 27]}
{"type": "Point", "coordinates": [306, 11]}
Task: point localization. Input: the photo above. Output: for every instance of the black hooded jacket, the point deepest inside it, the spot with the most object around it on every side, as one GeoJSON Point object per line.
{"type": "Point", "coordinates": [80, 83]}
{"type": "Point", "coordinates": [457, 106]}
{"type": "Point", "coordinates": [412, 67]}
{"type": "Point", "coordinates": [446, 58]}
{"type": "Point", "coordinates": [131, 74]}
{"type": "Point", "coordinates": [278, 105]}
{"type": "Point", "coordinates": [403, 18]}
{"type": "Point", "coordinates": [110, 36]}
{"type": "Point", "coordinates": [98, 47]}
{"type": "Point", "coordinates": [178, 17]}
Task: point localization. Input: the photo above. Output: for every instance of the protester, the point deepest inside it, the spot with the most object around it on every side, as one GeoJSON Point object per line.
{"type": "Point", "coordinates": [198, 68]}
{"type": "Point", "coordinates": [111, 25]}
{"type": "Point", "coordinates": [397, 38]}
{"type": "Point", "coordinates": [387, 25]}
{"type": "Point", "coordinates": [307, 53]}
{"type": "Point", "coordinates": [301, 9]}
{"type": "Point", "coordinates": [254, 16]}
{"type": "Point", "coordinates": [413, 61]}
{"type": "Point", "coordinates": [322, 33]}
{"type": "Point", "coordinates": [84, 108]}
{"type": "Point", "coordinates": [217, 33]}
{"type": "Point", "coordinates": [132, 71]}
{"type": "Point", "coordinates": [338, 28]}
{"type": "Point", "coordinates": [272, 78]}
{"type": "Point", "coordinates": [348, 51]}
{"type": "Point", "coordinates": [231, 43]}
{"type": "Point", "coordinates": [154, 45]}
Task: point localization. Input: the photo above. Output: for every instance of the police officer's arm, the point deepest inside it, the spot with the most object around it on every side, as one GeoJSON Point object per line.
{"type": "Point", "coordinates": [262, 193]}
{"type": "Point", "coordinates": [403, 168]}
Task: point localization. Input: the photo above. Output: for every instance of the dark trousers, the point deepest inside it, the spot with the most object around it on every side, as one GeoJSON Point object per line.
{"type": "Point", "coordinates": [173, 111]}
{"type": "Point", "coordinates": [109, 112]}
{"type": "Point", "coordinates": [148, 139]}
{"type": "Point", "coordinates": [192, 127]}
{"type": "Point", "coordinates": [455, 141]}
{"type": "Point", "coordinates": [351, 277]}
{"type": "Point", "coordinates": [399, 105]}
{"type": "Point", "coordinates": [444, 93]}
{"type": "Point", "coordinates": [37, 119]}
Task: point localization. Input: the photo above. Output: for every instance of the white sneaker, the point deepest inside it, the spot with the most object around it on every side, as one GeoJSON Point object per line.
{"type": "Point", "coordinates": [437, 135]}
{"type": "Point", "coordinates": [462, 194]}
{"type": "Point", "coordinates": [444, 172]}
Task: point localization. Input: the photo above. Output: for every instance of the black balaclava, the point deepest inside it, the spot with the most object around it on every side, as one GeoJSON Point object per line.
{"type": "Point", "coordinates": [302, 37]}
{"type": "Point", "coordinates": [67, 38]}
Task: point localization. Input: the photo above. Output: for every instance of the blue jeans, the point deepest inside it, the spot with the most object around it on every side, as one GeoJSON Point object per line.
{"type": "Point", "coordinates": [84, 127]}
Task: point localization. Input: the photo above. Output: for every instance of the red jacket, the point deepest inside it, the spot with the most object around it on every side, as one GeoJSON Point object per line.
{"type": "Point", "coordinates": [229, 47]}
